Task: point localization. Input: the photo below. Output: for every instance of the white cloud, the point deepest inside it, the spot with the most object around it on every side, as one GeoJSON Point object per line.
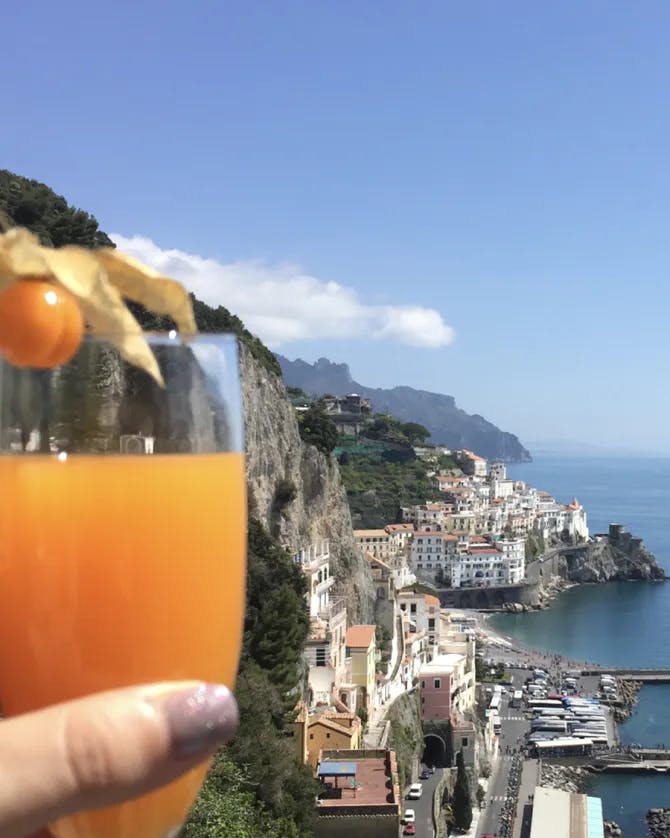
{"type": "Point", "coordinates": [281, 303]}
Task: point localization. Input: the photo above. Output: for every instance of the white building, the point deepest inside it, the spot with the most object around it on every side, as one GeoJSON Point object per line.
{"type": "Point", "coordinates": [497, 471]}
{"type": "Point", "coordinates": [315, 563]}
{"type": "Point", "coordinates": [433, 551]}
{"type": "Point", "coordinates": [470, 463]}
{"type": "Point", "coordinates": [575, 520]}
{"type": "Point", "coordinates": [485, 566]}
{"type": "Point", "coordinates": [502, 488]}
{"type": "Point", "coordinates": [325, 653]}
{"type": "Point", "coordinates": [423, 611]}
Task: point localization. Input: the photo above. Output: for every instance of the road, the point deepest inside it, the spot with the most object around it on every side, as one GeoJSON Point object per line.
{"type": "Point", "coordinates": [423, 807]}
{"type": "Point", "coordinates": [514, 726]}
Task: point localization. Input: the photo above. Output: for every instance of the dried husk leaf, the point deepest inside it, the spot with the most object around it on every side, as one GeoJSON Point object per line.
{"type": "Point", "coordinates": [160, 294]}
{"type": "Point", "coordinates": [100, 279]}
{"type": "Point", "coordinates": [103, 308]}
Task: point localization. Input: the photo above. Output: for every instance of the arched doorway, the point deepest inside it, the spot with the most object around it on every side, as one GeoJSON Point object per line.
{"type": "Point", "coordinates": [435, 751]}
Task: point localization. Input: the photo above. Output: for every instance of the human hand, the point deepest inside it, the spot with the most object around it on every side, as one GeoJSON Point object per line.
{"type": "Point", "coordinates": [106, 748]}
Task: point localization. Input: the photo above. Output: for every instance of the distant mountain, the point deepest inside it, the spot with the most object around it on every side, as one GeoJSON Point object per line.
{"type": "Point", "coordinates": [447, 423]}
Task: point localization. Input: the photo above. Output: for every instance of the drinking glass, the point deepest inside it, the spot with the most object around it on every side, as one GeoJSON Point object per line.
{"type": "Point", "coordinates": [122, 538]}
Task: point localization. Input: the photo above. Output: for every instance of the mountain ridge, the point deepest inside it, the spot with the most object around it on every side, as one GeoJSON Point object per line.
{"type": "Point", "coordinates": [448, 424]}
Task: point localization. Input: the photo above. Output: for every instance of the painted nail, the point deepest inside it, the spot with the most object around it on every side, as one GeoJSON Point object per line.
{"type": "Point", "coordinates": [200, 719]}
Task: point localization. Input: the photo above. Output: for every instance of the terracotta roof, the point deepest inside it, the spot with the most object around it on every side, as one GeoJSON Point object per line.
{"type": "Point", "coordinates": [431, 600]}
{"type": "Point", "coordinates": [376, 561]}
{"type": "Point", "coordinates": [399, 527]}
{"type": "Point", "coordinates": [360, 637]}
{"type": "Point", "coordinates": [320, 720]}
{"type": "Point", "coordinates": [445, 536]}
{"type": "Point", "coordinates": [474, 551]}
{"type": "Point", "coordinates": [369, 533]}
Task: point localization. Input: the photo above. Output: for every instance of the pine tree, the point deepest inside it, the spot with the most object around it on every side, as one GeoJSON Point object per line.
{"type": "Point", "coordinates": [461, 806]}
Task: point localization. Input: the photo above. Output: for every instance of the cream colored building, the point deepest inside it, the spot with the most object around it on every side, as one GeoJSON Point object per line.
{"type": "Point", "coordinates": [377, 542]}
{"type": "Point", "coordinates": [361, 652]}
{"type": "Point", "coordinates": [329, 729]}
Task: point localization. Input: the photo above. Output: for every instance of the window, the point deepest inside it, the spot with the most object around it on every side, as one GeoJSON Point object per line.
{"type": "Point", "coordinates": [431, 623]}
{"type": "Point", "coordinates": [412, 608]}
{"type": "Point", "coordinates": [320, 656]}
{"type": "Point", "coordinates": [328, 736]}
{"type": "Point", "coordinates": [423, 685]}
{"type": "Point", "coordinates": [311, 736]}
{"type": "Point", "coordinates": [437, 683]}
{"type": "Point", "coordinates": [464, 742]}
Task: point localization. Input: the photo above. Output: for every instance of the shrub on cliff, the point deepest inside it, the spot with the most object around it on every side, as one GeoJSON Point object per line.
{"type": "Point", "coordinates": [317, 428]}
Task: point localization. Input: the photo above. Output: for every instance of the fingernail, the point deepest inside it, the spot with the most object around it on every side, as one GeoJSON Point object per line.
{"type": "Point", "coordinates": [200, 719]}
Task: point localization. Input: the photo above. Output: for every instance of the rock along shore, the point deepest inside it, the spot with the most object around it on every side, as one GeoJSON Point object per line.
{"type": "Point", "coordinates": [658, 821]}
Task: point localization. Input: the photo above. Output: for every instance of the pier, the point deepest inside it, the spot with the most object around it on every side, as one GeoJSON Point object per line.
{"type": "Point", "coordinates": [645, 676]}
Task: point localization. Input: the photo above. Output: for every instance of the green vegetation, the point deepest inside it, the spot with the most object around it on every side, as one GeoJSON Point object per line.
{"type": "Point", "coordinates": [461, 806]}
{"type": "Point", "coordinates": [259, 767]}
{"type": "Point", "coordinates": [389, 429]}
{"type": "Point", "coordinates": [376, 489]}
{"type": "Point", "coordinates": [381, 472]}
{"type": "Point", "coordinates": [285, 493]}
{"type": "Point", "coordinates": [317, 428]}
{"type": "Point", "coordinates": [34, 205]}
{"type": "Point", "coordinates": [406, 735]}
{"type": "Point", "coordinates": [535, 546]}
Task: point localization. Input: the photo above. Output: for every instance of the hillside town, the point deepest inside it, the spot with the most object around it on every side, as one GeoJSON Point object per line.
{"type": "Point", "coordinates": [476, 535]}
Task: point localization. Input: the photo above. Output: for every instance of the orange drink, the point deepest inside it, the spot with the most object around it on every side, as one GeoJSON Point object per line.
{"type": "Point", "coordinates": [122, 539]}
{"type": "Point", "coordinates": [112, 574]}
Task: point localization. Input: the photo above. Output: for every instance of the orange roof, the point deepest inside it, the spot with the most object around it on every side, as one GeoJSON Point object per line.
{"type": "Point", "coordinates": [431, 600]}
{"type": "Point", "coordinates": [445, 536]}
{"type": "Point", "coordinates": [360, 637]}
{"type": "Point", "coordinates": [399, 527]}
{"type": "Point", "coordinates": [376, 561]}
{"type": "Point", "coordinates": [475, 551]}
{"type": "Point", "coordinates": [369, 533]}
{"type": "Point", "coordinates": [320, 720]}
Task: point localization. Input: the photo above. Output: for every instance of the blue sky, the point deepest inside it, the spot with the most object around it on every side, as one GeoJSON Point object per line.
{"type": "Point", "coordinates": [355, 179]}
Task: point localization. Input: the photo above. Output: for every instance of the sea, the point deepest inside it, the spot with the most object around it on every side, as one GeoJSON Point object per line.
{"type": "Point", "coordinates": [618, 623]}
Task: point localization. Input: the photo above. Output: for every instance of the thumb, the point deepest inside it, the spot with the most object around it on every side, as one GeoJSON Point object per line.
{"type": "Point", "coordinates": [106, 748]}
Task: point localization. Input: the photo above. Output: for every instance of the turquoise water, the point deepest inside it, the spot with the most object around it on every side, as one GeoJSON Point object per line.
{"type": "Point", "coordinates": [625, 624]}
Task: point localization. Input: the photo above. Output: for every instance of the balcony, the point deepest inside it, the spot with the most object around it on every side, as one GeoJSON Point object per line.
{"type": "Point", "coordinates": [312, 557]}
{"type": "Point", "coordinates": [321, 587]}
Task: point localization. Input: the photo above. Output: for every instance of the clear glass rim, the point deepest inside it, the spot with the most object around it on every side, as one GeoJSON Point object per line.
{"type": "Point", "coordinates": [171, 336]}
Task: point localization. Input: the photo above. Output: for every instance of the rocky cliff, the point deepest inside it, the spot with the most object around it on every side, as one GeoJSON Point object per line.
{"type": "Point", "coordinates": [448, 424]}
{"type": "Point", "coordinates": [605, 560]}
{"type": "Point", "coordinates": [294, 489]}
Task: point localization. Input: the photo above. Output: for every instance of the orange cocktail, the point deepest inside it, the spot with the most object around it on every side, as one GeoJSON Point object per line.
{"type": "Point", "coordinates": [120, 569]}
{"type": "Point", "coordinates": [110, 575]}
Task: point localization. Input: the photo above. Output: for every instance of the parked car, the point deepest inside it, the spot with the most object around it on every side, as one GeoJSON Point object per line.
{"type": "Point", "coordinates": [409, 816]}
{"type": "Point", "coordinates": [425, 774]}
{"type": "Point", "coordinates": [415, 791]}
{"type": "Point", "coordinates": [410, 829]}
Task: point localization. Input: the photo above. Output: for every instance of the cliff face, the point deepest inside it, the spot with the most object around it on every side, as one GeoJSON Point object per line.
{"type": "Point", "coordinates": [605, 561]}
{"type": "Point", "coordinates": [447, 423]}
{"type": "Point", "coordinates": [295, 490]}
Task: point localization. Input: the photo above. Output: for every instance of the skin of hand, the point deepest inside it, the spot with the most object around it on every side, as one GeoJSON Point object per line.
{"type": "Point", "coordinates": [105, 749]}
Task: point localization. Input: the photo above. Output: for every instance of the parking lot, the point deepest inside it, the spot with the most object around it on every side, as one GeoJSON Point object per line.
{"type": "Point", "coordinates": [523, 728]}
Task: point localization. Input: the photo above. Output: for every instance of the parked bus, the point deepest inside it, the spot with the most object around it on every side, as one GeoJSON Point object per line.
{"type": "Point", "coordinates": [516, 699]}
{"type": "Point", "coordinates": [564, 747]}
{"type": "Point", "coordinates": [544, 702]}
{"type": "Point", "coordinates": [495, 703]}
